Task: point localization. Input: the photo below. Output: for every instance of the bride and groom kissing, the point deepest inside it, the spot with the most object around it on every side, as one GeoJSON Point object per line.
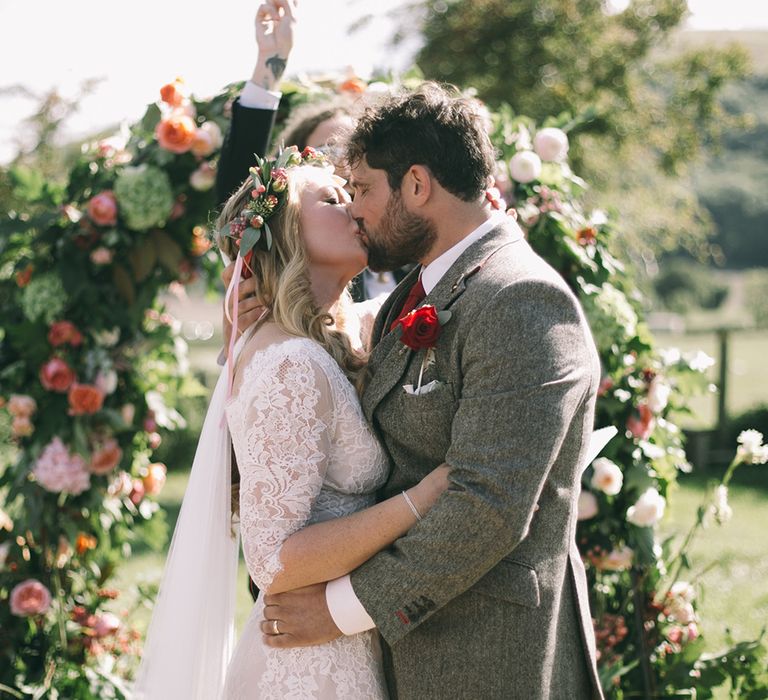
{"type": "Point", "coordinates": [406, 471]}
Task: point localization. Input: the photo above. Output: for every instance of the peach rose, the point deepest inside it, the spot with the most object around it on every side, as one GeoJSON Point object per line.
{"type": "Point", "coordinates": [207, 139]}
{"type": "Point", "coordinates": [173, 93]}
{"type": "Point", "coordinates": [354, 85]}
{"type": "Point", "coordinates": [106, 457]}
{"type": "Point", "coordinates": [200, 243]}
{"type": "Point", "coordinates": [176, 133]}
{"type": "Point", "coordinates": [56, 375]}
{"type": "Point", "coordinates": [85, 399]}
{"type": "Point", "coordinates": [102, 209]}
{"type": "Point", "coordinates": [155, 478]}
{"type": "Point", "coordinates": [85, 542]}
{"type": "Point", "coordinates": [642, 423]}
{"type": "Point", "coordinates": [21, 405]}
{"type": "Point", "coordinates": [22, 427]}
{"type": "Point", "coordinates": [30, 598]}
{"type": "Point", "coordinates": [137, 492]}
{"type": "Point", "coordinates": [64, 333]}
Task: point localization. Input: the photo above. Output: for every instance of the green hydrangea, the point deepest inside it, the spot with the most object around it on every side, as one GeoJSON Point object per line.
{"type": "Point", "coordinates": [611, 316]}
{"type": "Point", "coordinates": [144, 196]}
{"type": "Point", "coordinates": [43, 298]}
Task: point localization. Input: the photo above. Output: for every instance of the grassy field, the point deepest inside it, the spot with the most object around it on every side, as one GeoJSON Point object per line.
{"type": "Point", "coordinates": [748, 351]}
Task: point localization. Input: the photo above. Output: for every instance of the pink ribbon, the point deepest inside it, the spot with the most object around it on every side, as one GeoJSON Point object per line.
{"type": "Point", "coordinates": [232, 290]}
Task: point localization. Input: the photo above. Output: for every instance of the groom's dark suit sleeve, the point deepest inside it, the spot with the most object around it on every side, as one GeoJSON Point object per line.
{"type": "Point", "coordinates": [249, 134]}
{"type": "Point", "coordinates": [526, 366]}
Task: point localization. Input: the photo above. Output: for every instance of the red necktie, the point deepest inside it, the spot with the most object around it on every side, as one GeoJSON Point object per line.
{"type": "Point", "coordinates": [414, 298]}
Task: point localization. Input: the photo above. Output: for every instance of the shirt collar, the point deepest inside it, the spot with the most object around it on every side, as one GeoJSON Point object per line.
{"type": "Point", "coordinates": [433, 273]}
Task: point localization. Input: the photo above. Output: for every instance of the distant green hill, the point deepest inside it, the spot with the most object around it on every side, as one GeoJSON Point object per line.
{"type": "Point", "coordinates": [755, 42]}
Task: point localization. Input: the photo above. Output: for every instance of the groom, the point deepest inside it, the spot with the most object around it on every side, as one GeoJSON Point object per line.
{"type": "Point", "coordinates": [486, 596]}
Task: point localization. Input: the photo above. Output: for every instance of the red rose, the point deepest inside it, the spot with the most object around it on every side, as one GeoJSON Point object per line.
{"type": "Point", "coordinates": [63, 332]}
{"type": "Point", "coordinates": [56, 375]}
{"type": "Point", "coordinates": [421, 328]}
{"type": "Point", "coordinates": [85, 399]}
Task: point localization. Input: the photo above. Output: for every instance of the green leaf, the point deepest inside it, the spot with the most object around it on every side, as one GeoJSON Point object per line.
{"type": "Point", "coordinates": [143, 259]}
{"type": "Point", "coordinates": [268, 236]}
{"type": "Point", "coordinates": [124, 284]}
{"type": "Point", "coordinates": [169, 253]}
{"type": "Point", "coordinates": [443, 317]}
{"type": "Point", "coordinates": [250, 238]}
{"type": "Point", "coordinates": [151, 118]}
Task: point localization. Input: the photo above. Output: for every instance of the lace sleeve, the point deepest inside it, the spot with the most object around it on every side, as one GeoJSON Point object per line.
{"type": "Point", "coordinates": [282, 450]}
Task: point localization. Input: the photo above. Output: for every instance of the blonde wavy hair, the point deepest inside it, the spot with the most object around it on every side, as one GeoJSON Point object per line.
{"type": "Point", "coordinates": [282, 276]}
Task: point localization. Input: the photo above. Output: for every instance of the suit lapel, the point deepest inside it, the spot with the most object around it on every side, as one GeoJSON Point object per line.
{"type": "Point", "coordinates": [389, 359]}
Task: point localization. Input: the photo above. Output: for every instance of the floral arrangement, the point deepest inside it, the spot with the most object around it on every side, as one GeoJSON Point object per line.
{"type": "Point", "coordinates": [646, 623]}
{"type": "Point", "coordinates": [91, 367]}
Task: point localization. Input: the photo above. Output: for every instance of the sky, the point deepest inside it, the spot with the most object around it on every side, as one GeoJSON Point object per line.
{"type": "Point", "coordinates": [135, 47]}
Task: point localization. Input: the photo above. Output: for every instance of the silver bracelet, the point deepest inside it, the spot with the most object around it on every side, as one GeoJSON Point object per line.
{"type": "Point", "coordinates": [412, 506]}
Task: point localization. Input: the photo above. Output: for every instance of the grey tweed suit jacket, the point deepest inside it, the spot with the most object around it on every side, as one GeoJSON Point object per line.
{"type": "Point", "coordinates": [487, 597]}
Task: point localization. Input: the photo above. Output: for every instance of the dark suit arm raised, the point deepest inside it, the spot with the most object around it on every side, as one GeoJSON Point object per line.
{"type": "Point", "coordinates": [527, 363]}
{"type": "Point", "coordinates": [249, 133]}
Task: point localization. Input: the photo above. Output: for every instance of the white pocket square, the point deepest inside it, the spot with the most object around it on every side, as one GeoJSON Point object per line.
{"type": "Point", "coordinates": [429, 386]}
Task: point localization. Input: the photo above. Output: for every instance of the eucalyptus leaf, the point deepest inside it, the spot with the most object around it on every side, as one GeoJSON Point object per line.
{"type": "Point", "coordinates": [268, 236]}
{"type": "Point", "coordinates": [249, 239]}
{"type": "Point", "coordinates": [444, 316]}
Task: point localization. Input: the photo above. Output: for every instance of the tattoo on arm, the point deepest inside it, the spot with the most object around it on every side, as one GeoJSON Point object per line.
{"type": "Point", "coordinates": [277, 65]}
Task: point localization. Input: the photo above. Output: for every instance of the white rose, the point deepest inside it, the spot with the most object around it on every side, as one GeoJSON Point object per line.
{"type": "Point", "coordinates": [377, 87]}
{"type": "Point", "coordinates": [648, 510]}
{"type": "Point", "coordinates": [681, 611]}
{"type": "Point", "coordinates": [107, 338]}
{"type": "Point", "coordinates": [588, 507]}
{"type": "Point", "coordinates": [551, 144]}
{"type": "Point", "coordinates": [682, 590]}
{"type": "Point", "coordinates": [525, 166]}
{"type": "Point", "coordinates": [700, 362]}
{"type": "Point", "coordinates": [203, 178]}
{"type": "Point", "coordinates": [106, 380]}
{"type": "Point", "coordinates": [214, 131]}
{"type": "Point", "coordinates": [5, 547]}
{"type": "Point", "coordinates": [719, 508]}
{"type": "Point", "coordinates": [607, 476]}
{"type": "Point", "coordinates": [658, 394]}
{"type": "Point", "coordinates": [751, 448]}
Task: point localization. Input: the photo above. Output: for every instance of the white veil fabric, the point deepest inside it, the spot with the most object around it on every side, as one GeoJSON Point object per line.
{"type": "Point", "coordinates": [191, 636]}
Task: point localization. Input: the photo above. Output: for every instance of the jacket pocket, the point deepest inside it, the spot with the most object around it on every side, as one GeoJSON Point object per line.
{"type": "Point", "coordinates": [511, 581]}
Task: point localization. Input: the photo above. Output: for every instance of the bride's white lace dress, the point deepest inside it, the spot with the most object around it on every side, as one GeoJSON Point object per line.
{"type": "Point", "coordinates": [305, 454]}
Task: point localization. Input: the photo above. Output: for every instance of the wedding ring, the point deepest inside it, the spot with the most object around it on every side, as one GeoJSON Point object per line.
{"type": "Point", "coordinates": [275, 627]}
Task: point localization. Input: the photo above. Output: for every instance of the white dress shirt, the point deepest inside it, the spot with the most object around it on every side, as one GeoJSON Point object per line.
{"type": "Point", "coordinates": [255, 97]}
{"type": "Point", "coordinates": [345, 607]}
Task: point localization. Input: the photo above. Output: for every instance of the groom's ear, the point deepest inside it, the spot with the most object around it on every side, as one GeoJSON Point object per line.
{"type": "Point", "coordinates": [416, 187]}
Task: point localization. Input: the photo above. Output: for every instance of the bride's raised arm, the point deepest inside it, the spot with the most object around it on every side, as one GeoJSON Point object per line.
{"type": "Point", "coordinates": [287, 420]}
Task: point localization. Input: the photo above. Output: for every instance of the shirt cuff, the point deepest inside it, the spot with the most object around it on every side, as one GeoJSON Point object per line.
{"type": "Point", "coordinates": [255, 97]}
{"type": "Point", "coordinates": [346, 609]}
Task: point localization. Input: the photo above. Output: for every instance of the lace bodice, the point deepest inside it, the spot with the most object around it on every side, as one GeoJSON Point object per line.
{"type": "Point", "coordinates": [303, 447]}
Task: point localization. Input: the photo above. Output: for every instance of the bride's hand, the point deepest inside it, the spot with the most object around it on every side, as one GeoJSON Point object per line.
{"type": "Point", "coordinates": [250, 307]}
{"type": "Point", "coordinates": [430, 488]}
{"type": "Point", "coordinates": [275, 20]}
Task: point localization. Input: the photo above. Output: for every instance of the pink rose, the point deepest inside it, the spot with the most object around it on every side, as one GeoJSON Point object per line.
{"type": "Point", "coordinates": [106, 457]}
{"type": "Point", "coordinates": [58, 471]}
{"type": "Point", "coordinates": [64, 333]}
{"type": "Point", "coordinates": [105, 624]}
{"type": "Point", "coordinates": [56, 375]}
{"type": "Point", "coordinates": [642, 423]}
{"type": "Point", "coordinates": [102, 209]}
{"type": "Point", "coordinates": [101, 256]}
{"type": "Point", "coordinates": [137, 492]}
{"type": "Point", "coordinates": [21, 405]}
{"type": "Point", "coordinates": [204, 177]}
{"type": "Point", "coordinates": [30, 598]}
{"type": "Point", "coordinates": [588, 506]}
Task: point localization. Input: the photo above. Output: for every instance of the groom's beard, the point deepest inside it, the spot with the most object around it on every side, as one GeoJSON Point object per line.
{"type": "Point", "coordinates": [400, 238]}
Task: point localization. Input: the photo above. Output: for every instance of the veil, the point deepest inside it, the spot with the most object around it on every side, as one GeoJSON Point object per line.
{"type": "Point", "coordinates": [191, 636]}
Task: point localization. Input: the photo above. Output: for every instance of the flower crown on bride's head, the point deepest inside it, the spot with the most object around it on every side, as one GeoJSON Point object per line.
{"type": "Point", "coordinates": [270, 183]}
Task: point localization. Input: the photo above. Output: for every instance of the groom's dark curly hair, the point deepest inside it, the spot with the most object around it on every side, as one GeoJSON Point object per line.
{"type": "Point", "coordinates": [432, 126]}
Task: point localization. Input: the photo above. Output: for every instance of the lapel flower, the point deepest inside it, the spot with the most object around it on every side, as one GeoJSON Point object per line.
{"type": "Point", "coordinates": [420, 331]}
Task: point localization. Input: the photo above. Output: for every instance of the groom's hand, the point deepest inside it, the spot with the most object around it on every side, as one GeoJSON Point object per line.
{"type": "Point", "coordinates": [302, 618]}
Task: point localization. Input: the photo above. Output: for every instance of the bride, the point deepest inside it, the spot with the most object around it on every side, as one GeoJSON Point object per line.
{"type": "Point", "coordinates": [307, 464]}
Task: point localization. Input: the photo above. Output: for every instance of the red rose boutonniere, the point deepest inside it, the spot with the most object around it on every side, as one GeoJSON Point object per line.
{"type": "Point", "coordinates": [421, 330]}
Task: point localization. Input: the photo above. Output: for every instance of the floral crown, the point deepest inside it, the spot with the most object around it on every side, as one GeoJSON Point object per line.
{"type": "Point", "coordinates": [269, 184]}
